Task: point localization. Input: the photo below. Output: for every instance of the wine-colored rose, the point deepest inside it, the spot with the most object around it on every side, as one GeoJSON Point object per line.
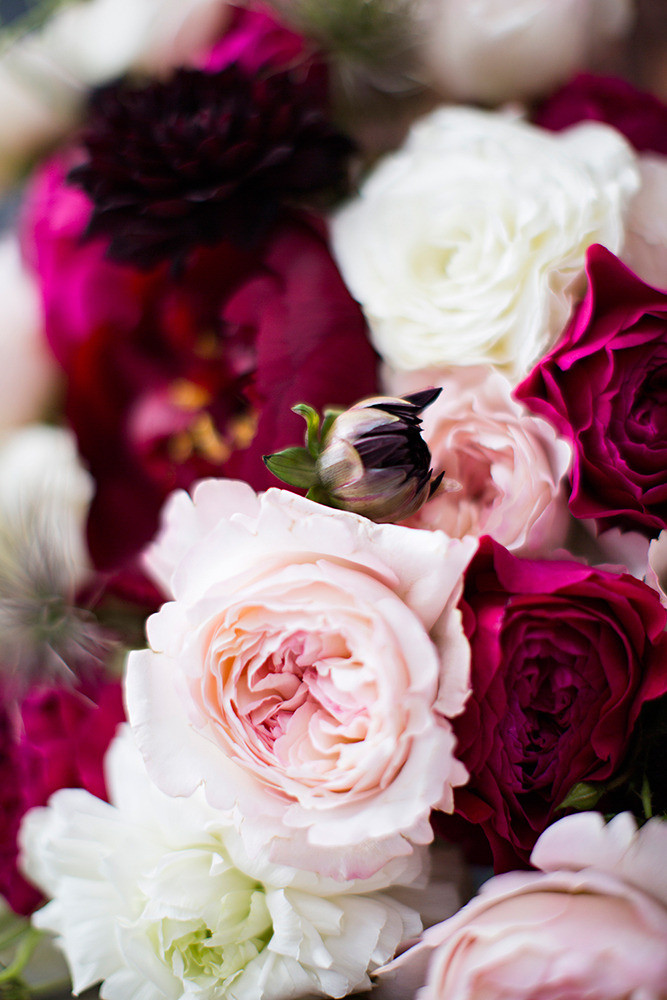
{"type": "Point", "coordinates": [603, 386]}
{"type": "Point", "coordinates": [563, 658]}
{"type": "Point", "coordinates": [172, 377]}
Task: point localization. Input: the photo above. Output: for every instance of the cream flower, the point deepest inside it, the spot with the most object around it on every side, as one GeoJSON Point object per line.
{"type": "Point", "coordinates": [467, 246]}
{"type": "Point", "coordinates": [27, 368]}
{"type": "Point", "coordinates": [45, 75]}
{"type": "Point", "coordinates": [508, 463]}
{"type": "Point", "coordinates": [157, 897]}
{"type": "Point", "coordinates": [592, 923]}
{"type": "Point", "coordinates": [502, 50]}
{"type": "Point", "coordinates": [304, 673]}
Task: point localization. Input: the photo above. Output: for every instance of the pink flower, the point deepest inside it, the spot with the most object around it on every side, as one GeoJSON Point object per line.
{"type": "Point", "coordinates": [603, 386]}
{"type": "Point", "coordinates": [564, 656]}
{"type": "Point", "coordinates": [591, 923]}
{"type": "Point", "coordinates": [55, 738]}
{"type": "Point", "coordinates": [304, 672]}
{"type": "Point", "coordinates": [175, 377]}
{"type": "Point", "coordinates": [507, 463]}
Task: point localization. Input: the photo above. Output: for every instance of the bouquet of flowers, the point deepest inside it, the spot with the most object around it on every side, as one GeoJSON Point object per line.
{"type": "Point", "coordinates": [333, 502]}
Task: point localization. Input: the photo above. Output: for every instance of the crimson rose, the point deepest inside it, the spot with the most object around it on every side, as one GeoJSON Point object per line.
{"type": "Point", "coordinates": [604, 386]}
{"type": "Point", "coordinates": [563, 658]}
{"type": "Point", "coordinates": [177, 376]}
{"type": "Point", "coordinates": [639, 116]}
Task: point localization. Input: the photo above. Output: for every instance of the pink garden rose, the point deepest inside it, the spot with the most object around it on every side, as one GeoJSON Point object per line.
{"type": "Point", "coordinates": [508, 464]}
{"type": "Point", "coordinates": [56, 737]}
{"type": "Point", "coordinates": [603, 386]}
{"type": "Point", "coordinates": [304, 672]}
{"type": "Point", "coordinates": [564, 656]}
{"type": "Point", "coordinates": [591, 923]}
{"type": "Point", "coordinates": [173, 377]}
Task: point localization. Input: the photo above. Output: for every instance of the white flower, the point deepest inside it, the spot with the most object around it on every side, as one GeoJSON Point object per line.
{"type": "Point", "coordinates": [508, 463]}
{"type": "Point", "coordinates": [304, 673]}
{"type": "Point", "coordinates": [467, 246]}
{"type": "Point", "coordinates": [157, 897]}
{"type": "Point", "coordinates": [45, 75]}
{"type": "Point", "coordinates": [501, 50]}
{"type": "Point", "coordinates": [645, 250]}
{"type": "Point", "coordinates": [44, 498]}
{"type": "Point", "coordinates": [27, 369]}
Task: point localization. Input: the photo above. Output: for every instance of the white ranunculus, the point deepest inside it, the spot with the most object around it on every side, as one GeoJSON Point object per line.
{"type": "Point", "coordinates": [28, 371]}
{"type": "Point", "coordinates": [502, 50]}
{"type": "Point", "coordinates": [46, 74]}
{"type": "Point", "coordinates": [305, 673]}
{"type": "Point", "coordinates": [468, 245]}
{"type": "Point", "coordinates": [157, 897]}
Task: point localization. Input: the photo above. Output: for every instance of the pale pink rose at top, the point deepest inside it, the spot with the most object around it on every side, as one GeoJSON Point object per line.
{"type": "Point", "coordinates": [502, 50]}
{"type": "Point", "coordinates": [304, 673]}
{"type": "Point", "coordinates": [645, 247]}
{"type": "Point", "coordinates": [28, 373]}
{"type": "Point", "coordinates": [592, 923]}
{"type": "Point", "coordinates": [508, 464]}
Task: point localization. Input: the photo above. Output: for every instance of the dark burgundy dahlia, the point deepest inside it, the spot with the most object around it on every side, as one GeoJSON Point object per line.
{"type": "Point", "coordinates": [203, 157]}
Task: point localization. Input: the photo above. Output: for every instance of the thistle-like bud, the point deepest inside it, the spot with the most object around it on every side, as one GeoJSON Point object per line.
{"type": "Point", "coordinates": [370, 459]}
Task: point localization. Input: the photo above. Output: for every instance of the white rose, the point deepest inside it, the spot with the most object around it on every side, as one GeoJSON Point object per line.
{"type": "Point", "coordinates": [45, 75]}
{"type": "Point", "coordinates": [304, 673]}
{"type": "Point", "coordinates": [500, 50]}
{"type": "Point", "coordinates": [28, 371]}
{"type": "Point", "coordinates": [508, 463]}
{"type": "Point", "coordinates": [468, 245]}
{"type": "Point", "coordinates": [157, 897]}
{"type": "Point", "coordinates": [645, 250]}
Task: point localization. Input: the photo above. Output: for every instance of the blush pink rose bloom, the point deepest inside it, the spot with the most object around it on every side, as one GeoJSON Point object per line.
{"type": "Point", "coordinates": [304, 673]}
{"type": "Point", "coordinates": [592, 923]}
{"type": "Point", "coordinates": [508, 464]}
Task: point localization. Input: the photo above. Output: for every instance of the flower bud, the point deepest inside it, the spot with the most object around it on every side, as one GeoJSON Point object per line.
{"type": "Point", "coordinates": [374, 460]}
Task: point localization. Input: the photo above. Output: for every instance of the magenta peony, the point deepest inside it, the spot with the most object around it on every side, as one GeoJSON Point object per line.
{"type": "Point", "coordinates": [175, 377]}
{"type": "Point", "coordinates": [563, 658]}
{"type": "Point", "coordinates": [55, 738]}
{"type": "Point", "coordinates": [603, 386]}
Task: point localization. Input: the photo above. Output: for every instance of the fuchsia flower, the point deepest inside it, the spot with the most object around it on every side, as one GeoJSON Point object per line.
{"type": "Point", "coordinates": [172, 377]}
{"type": "Point", "coordinates": [56, 737]}
{"type": "Point", "coordinates": [563, 658]}
{"type": "Point", "coordinates": [604, 387]}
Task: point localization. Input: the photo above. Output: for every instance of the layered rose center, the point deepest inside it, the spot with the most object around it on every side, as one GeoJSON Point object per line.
{"type": "Point", "coordinates": [310, 687]}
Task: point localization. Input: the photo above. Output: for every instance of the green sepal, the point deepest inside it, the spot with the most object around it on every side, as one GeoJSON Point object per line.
{"type": "Point", "coordinates": [329, 417]}
{"type": "Point", "coordinates": [582, 796]}
{"type": "Point", "coordinates": [318, 494]}
{"type": "Point", "coordinates": [312, 419]}
{"type": "Point", "coordinates": [295, 466]}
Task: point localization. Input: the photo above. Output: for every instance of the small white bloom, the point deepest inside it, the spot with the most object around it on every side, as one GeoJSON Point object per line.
{"type": "Point", "coordinates": [45, 75]}
{"type": "Point", "coordinates": [27, 369]}
{"type": "Point", "coordinates": [44, 497]}
{"type": "Point", "coordinates": [502, 50]}
{"type": "Point", "coordinates": [157, 897]}
{"type": "Point", "coordinates": [467, 246]}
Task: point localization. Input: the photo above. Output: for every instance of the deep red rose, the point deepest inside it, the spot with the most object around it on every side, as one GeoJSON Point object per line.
{"type": "Point", "coordinates": [563, 658]}
{"type": "Point", "coordinates": [604, 386]}
{"type": "Point", "coordinates": [639, 115]}
{"type": "Point", "coordinates": [176, 376]}
{"type": "Point", "coordinates": [54, 738]}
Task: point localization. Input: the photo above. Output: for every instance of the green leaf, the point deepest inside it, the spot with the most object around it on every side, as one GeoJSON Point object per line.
{"type": "Point", "coordinates": [319, 495]}
{"type": "Point", "coordinates": [295, 466]}
{"type": "Point", "coordinates": [582, 796]}
{"type": "Point", "coordinates": [312, 419]}
{"type": "Point", "coordinates": [329, 417]}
